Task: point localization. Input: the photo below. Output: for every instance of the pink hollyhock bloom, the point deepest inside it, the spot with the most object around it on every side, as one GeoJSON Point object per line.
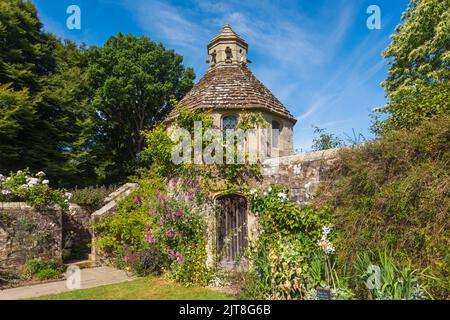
{"type": "Point", "coordinates": [170, 234]}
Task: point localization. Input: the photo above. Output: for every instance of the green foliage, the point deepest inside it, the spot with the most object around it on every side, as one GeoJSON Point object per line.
{"type": "Point", "coordinates": [33, 189]}
{"type": "Point", "coordinates": [133, 80]}
{"type": "Point", "coordinates": [44, 269]}
{"type": "Point", "coordinates": [91, 198]}
{"type": "Point", "coordinates": [393, 193]}
{"type": "Point", "coordinates": [158, 154]}
{"type": "Point", "coordinates": [289, 238]}
{"type": "Point", "coordinates": [325, 140]}
{"type": "Point", "coordinates": [417, 83]}
{"type": "Point", "coordinates": [123, 232]}
{"type": "Point", "coordinates": [396, 281]}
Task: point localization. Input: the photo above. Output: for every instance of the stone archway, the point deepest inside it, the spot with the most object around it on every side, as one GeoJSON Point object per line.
{"type": "Point", "coordinates": [232, 229]}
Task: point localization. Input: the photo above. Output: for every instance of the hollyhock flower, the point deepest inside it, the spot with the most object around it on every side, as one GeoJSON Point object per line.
{"type": "Point", "coordinates": [170, 234]}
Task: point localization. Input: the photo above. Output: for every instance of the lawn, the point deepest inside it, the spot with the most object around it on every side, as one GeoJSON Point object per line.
{"type": "Point", "coordinates": [149, 288]}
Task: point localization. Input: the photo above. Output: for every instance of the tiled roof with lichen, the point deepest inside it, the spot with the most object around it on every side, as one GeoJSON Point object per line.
{"type": "Point", "coordinates": [231, 87]}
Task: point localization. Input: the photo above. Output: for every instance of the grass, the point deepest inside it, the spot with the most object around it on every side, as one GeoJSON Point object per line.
{"type": "Point", "coordinates": [148, 288]}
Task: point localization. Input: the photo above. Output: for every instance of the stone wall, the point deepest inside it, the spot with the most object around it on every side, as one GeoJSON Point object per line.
{"type": "Point", "coordinates": [301, 173]}
{"type": "Point", "coordinates": [26, 233]}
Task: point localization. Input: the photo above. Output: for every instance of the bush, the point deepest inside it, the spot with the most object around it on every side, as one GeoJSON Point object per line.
{"type": "Point", "coordinates": [150, 261]}
{"type": "Point", "coordinates": [33, 189]}
{"type": "Point", "coordinates": [289, 239]}
{"type": "Point", "coordinates": [394, 193]}
{"type": "Point", "coordinates": [44, 269]}
{"type": "Point", "coordinates": [91, 198]}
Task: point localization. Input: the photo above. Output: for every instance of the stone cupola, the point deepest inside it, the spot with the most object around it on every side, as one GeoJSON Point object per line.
{"type": "Point", "coordinates": [227, 48]}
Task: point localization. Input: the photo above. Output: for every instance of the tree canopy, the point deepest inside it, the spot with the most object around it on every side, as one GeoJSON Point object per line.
{"type": "Point", "coordinates": [74, 112]}
{"type": "Point", "coordinates": [417, 84]}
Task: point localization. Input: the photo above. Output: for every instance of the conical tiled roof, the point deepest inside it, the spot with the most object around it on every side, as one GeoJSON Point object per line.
{"type": "Point", "coordinates": [229, 84]}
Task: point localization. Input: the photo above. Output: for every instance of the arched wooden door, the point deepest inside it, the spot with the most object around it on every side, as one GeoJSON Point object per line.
{"type": "Point", "coordinates": [232, 233]}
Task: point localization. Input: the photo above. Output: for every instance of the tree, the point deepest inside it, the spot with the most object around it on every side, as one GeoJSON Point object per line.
{"type": "Point", "coordinates": [418, 79]}
{"type": "Point", "coordinates": [45, 118]}
{"type": "Point", "coordinates": [325, 140]}
{"type": "Point", "coordinates": [134, 80]}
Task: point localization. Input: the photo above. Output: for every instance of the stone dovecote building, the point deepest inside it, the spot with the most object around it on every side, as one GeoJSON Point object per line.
{"type": "Point", "coordinates": [229, 88]}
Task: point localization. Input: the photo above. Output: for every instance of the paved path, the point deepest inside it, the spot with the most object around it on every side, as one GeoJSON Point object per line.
{"type": "Point", "coordinates": [90, 278]}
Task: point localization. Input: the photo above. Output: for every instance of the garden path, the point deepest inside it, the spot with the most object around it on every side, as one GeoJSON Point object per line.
{"type": "Point", "coordinates": [92, 277]}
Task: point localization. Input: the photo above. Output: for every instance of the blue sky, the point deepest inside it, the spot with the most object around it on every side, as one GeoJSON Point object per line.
{"type": "Point", "coordinates": [318, 57]}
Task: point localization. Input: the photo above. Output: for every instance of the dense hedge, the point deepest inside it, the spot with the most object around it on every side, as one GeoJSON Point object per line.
{"type": "Point", "coordinates": [394, 193]}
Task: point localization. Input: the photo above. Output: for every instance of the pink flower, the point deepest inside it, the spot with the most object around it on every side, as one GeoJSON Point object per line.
{"type": "Point", "coordinates": [193, 246]}
{"type": "Point", "coordinates": [149, 238]}
{"type": "Point", "coordinates": [179, 258]}
{"type": "Point", "coordinates": [152, 213]}
{"type": "Point", "coordinates": [137, 201]}
{"type": "Point", "coordinates": [180, 213]}
{"type": "Point", "coordinates": [170, 234]}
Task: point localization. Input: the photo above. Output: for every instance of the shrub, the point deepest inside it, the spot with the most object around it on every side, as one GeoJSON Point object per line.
{"type": "Point", "coordinates": [150, 261]}
{"type": "Point", "coordinates": [288, 240]}
{"type": "Point", "coordinates": [33, 189]}
{"type": "Point", "coordinates": [91, 198]}
{"type": "Point", "coordinates": [394, 193]}
{"type": "Point", "coordinates": [44, 269]}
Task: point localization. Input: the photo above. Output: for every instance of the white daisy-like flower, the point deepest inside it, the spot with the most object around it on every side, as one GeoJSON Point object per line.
{"type": "Point", "coordinates": [282, 196]}
{"type": "Point", "coordinates": [40, 174]}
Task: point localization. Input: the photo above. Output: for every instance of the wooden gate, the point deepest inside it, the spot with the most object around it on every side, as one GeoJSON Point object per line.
{"type": "Point", "coordinates": [232, 233]}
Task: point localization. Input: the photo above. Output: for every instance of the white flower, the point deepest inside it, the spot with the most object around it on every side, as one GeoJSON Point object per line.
{"type": "Point", "coordinates": [253, 191]}
{"type": "Point", "coordinates": [45, 181]}
{"type": "Point", "coordinates": [282, 196]}
{"type": "Point", "coordinates": [2, 178]}
{"type": "Point", "coordinates": [326, 245]}
{"type": "Point", "coordinates": [8, 179]}
{"type": "Point", "coordinates": [6, 192]}
{"type": "Point", "coordinates": [265, 193]}
{"type": "Point", "coordinates": [269, 189]}
{"type": "Point", "coordinates": [24, 186]}
{"type": "Point", "coordinates": [326, 230]}
{"type": "Point", "coordinates": [68, 195]}
{"type": "Point", "coordinates": [40, 174]}
{"type": "Point", "coordinates": [19, 172]}
{"type": "Point", "coordinates": [31, 182]}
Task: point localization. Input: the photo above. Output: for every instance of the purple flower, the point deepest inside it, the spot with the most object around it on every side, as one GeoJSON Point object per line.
{"type": "Point", "coordinates": [194, 246]}
{"type": "Point", "coordinates": [179, 258]}
{"type": "Point", "coordinates": [180, 213]}
{"type": "Point", "coordinates": [126, 258]}
{"type": "Point", "coordinates": [147, 227]}
{"type": "Point", "coordinates": [137, 201]}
